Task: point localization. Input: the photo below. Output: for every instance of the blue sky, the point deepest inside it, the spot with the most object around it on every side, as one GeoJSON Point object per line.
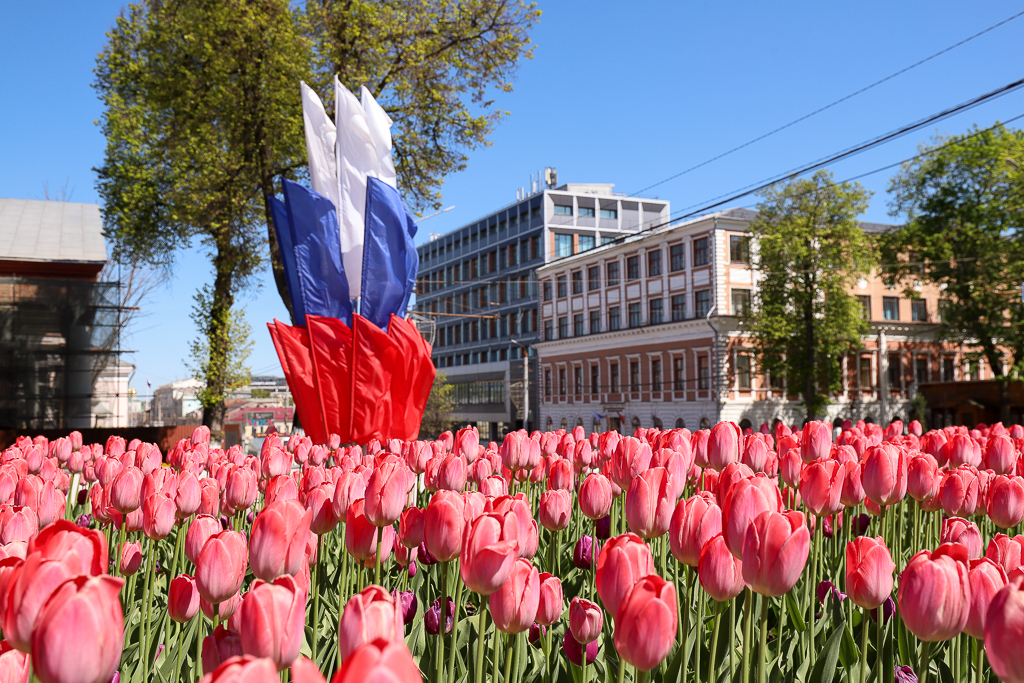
{"type": "Point", "coordinates": [628, 93]}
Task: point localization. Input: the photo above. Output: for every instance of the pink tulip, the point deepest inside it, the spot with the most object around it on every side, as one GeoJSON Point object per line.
{"type": "Point", "coordinates": [1000, 455]}
{"type": "Point", "coordinates": [410, 527]}
{"type": "Point", "coordinates": [986, 578]}
{"type": "Point", "coordinates": [623, 561]}
{"type": "Point", "coordinates": [1006, 552]}
{"type": "Point", "coordinates": [489, 551]}
{"type": "Point", "coordinates": [14, 665]}
{"type": "Point", "coordinates": [595, 496]}
{"type": "Point", "coordinates": [923, 477]}
{"type": "Point", "coordinates": [240, 490]}
{"type": "Point", "coordinates": [561, 476]}
{"type": "Point", "coordinates": [964, 532]}
{"type": "Point", "coordinates": [816, 441]}
{"type": "Point", "coordinates": [244, 669]}
{"type": "Point", "coordinates": [200, 531]}
{"type": "Point", "coordinates": [869, 571]}
{"type": "Point", "coordinates": [695, 521]}
{"type": "Point", "coordinates": [514, 605]}
{"type": "Point", "coordinates": [183, 598]}
{"type": "Point", "coordinates": [821, 486]}
{"type": "Point", "coordinates": [187, 495]}
{"type": "Point", "coordinates": [369, 616]}
{"type": "Point", "coordinates": [630, 459]}
{"type": "Point", "coordinates": [746, 500]}
{"type": "Point", "coordinates": [959, 492]}
{"type": "Point", "coordinates": [650, 501]}
{"type": "Point", "coordinates": [18, 523]}
{"type": "Point", "coordinates": [934, 595]}
{"type": "Point", "coordinates": [585, 620]}
{"type": "Point", "coordinates": [646, 622]}
{"type": "Point", "coordinates": [1005, 501]}
{"type": "Point", "coordinates": [272, 620]}
{"type": "Point", "coordinates": [126, 490]}
{"type": "Point", "coordinates": [130, 558]}
{"type": "Point", "coordinates": [158, 516]}
{"type": "Point", "coordinates": [278, 540]}
{"type": "Point", "coordinates": [82, 616]}
{"type": "Point", "coordinates": [360, 535]}
{"type": "Point", "coordinates": [379, 661]}
{"type": "Point", "coordinates": [723, 446]}
{"type": "Point", "coordinates": [775, 551]}
{"type": "Point", "coordinates": [551, 602]}
{"type": "Point", "coordinates": [1004, 632]}
{"type": "Point", "coordinates": [853, 489]}
{"type": "Point", "coordinates": [349, 488]}
{"type": "Point", "coordinates": [884, 474]}
{"type": "Point", "coordinates": [719, 571]}
{"type": "Point", "coordinates": [443, 525]}
{"type": "Point", "coordinates": [555, 509]}
{"type": "Point", "coordinates": [220, 566]}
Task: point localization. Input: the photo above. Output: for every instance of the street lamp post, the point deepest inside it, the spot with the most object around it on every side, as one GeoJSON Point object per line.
{"type": "Point", "coordinates": [526, 384]}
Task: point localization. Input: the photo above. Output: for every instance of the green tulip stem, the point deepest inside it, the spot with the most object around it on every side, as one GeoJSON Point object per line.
{"type": "Point", "coordinates": [764, 640]}
{"type": "Point", "coordinates": [621, 677]}
{"type": "Point", "coordinates": [198, 663]}
{"type": "Point", "coordinates": [712, 669]}
{"type": "Point", "coordinates": [316, 601]}
{"type": "Point", "coordinates": [732, 637]}
{"type": "Point", "coordinates": [508, 659]}
{"type": "Point", "coordinates": [864, 648]}
{"type": "Point", "coordinates": [376, 563]}
{"type": "Point", "coordinates": [481, 641]}
{"type": "Point", "coordinates": [979, 658]}
{"type": "Point", "coordinates": [494, 655]}
{"type": "Point", "coordinates": [455, 627]}
{"type": "Point", "coordinates": [177, 654]}
{"type": "Point", "coordinates": [683, 623]}
{"type": "Point", "coordinates": [444, 623]}
{"type": "Point", "coordinates": [748, 608]}
{"type": "Point", "coordinates": [922, 665]}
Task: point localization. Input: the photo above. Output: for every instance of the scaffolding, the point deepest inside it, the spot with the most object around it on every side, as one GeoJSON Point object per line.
{"type": "Point", "coordinates": [56, 338]}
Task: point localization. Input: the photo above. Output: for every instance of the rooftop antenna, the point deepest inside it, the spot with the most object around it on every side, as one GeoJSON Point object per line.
{"type": "Point", "coordinates": [436, 213]}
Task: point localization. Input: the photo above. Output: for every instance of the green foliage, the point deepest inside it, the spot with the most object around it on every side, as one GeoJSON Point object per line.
{"type": "Point", "coordinates": [437, 417]}
{"type": "Point", "coordinates": [222, 372]}
{"type": "Point", "coordinates": [963, 200]}
{"type": "Point", "coordinates": [809, 249]}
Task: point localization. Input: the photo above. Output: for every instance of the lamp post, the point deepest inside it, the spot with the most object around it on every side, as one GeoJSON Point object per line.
{"type": "Point", "coordinates": [526, 385]}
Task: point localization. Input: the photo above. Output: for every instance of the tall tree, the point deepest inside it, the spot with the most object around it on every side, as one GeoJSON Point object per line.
{"type": "Point", "coordinates": [963, 199]}
{"type": "Point", "coordinates": [808, 249]}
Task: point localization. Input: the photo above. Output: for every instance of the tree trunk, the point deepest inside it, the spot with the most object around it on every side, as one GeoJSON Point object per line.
{"type": "Point", "coordinates": [218, 330]}
{"type": "Point", "coordinates": [1004, 400]}
{"type": "Point", "coordinates": [276, 263]}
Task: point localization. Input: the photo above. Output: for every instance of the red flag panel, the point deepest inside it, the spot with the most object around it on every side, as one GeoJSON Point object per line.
{"type": "Point", "coordinates": [294, 343]}
{"type": "Point", "coordinates": [331, 342]}
{"type": "Point", "coordinates": [374, 356]}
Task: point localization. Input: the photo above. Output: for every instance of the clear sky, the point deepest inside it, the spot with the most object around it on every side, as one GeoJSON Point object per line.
{"type": "Point", "coordinates": [629, 93]}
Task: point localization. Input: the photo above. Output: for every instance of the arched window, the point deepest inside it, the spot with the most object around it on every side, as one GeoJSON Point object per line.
{"type": "Point", "coordinates": [745, 424]}
{"type": "Point", "coordinates": [550, 424]}
{"type": "Point", "coordinates": [579, 421]}
{"type": "Point", "coordinates": [565, 424]}
{"type": "Point", "coordinates": [656, 422]}
{"type": "Point", "coordinates": [705, 423]}
{"type": "Point", "coordinates": [680, 423]}
{"type": "Point", "coordinates": [636, 423]}
{"type": "Point", "coordinates": [595, 425]}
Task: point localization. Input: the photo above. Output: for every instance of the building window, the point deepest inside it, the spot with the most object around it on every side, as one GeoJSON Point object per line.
{"type": "Point", "coordinates": [595, 322]}
{"type": "Point", "coordinates": [700, 252]}
{"type": "Point", "coordinates": [587, 242]}
{"type": "Point", "coordinates": [947, 368]}
{"type": "Point", "coordinates": [614, 320]}
{"type": "Point", "coordinates": [634, 377]}
{"type": "Point", "coordinates": [577, 325]}
{"type": "Point", "coordinates": [593, 278]}
{"type": "Point", "coordinates": [562, 287]}
{"type": "Point", "coordinates": [655, 374]}
{"type": "Point", "coordinates": [894, 370]}
{"type": "Point", "coordinates": [921, 369]}
{"type": "Point", "coordinates": [743, 371]}
{"type": "Point", "coordinates": [613, 273]}
{"type": "Point", "coordinates": [654, 263]}
{"type": "Point", "coordinates": [577, 380]}
{"type": "Point", "coordinates": [633, 268]}
{"type": "Point", "coordinates": [607, 239]}
{"type": "Point", "coordinates": [775, 380]}
{"type": "Point", "coordinates": [563, 245]}
{"type": "Point", "coordinates": [739, 249]}
{"type": "Point", "coordinates": [635, 423]}
{"type": "Point", "coordinates": [864, 381]}
{"type": "Point", "coordinates": [595, 379]}
{"type": "Point", "coordinates": [562, 388]}
{"type": "Point", "coordinates": [865, 307]}
{"type": "Point", "coordinates": [919, 310]}
{"type": "Point", "coordinates": [890, 308]}
{"type": "Point", "coordinates": [563, 210]}
{"type": "Point", "coordinates": [547, 290]}
{"type": "Point", "coordinates": [677, 256]}
{"type": "Point", "coordinates": [678, 307]}
{"type": "Point", "coordinates": [586, 212]}
{"type": "Point", "coordinates": [577, 282]}
{"type": "Point", "coordinates": [678, 378]}
{"type": "Point", "coordinates": [741, 302]}
{"type": "Point", "coordinates": [634, 314]}
{"type": "Point", "coordinates": [615, 377]}
{"type": "Point", "coordinates": [563, 327]}
{"type": "Point", "coordinates": [703, 373]}
{"type": "Point", "coordinates": [548, 331]}
{"type": "Point", "coordinates": [655, 317]}
{"type": "Point", "coordinates": [701, 302]}
{"type": "Point", "coordinates": [610, 214]}
{"type": "Point", "coordinates": [547, 383]}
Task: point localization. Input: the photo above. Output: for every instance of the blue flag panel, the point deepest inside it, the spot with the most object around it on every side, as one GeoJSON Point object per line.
{"type": "Point", "coordinates": [287, 249]}
{"type": "Point", "coordinates": [390, 261]}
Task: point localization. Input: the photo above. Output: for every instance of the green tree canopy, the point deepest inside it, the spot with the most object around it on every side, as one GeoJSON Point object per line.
{"type": "Point", "coordinates": [808, 249]}
{"type": "Point", "coordinates": [963, 199]}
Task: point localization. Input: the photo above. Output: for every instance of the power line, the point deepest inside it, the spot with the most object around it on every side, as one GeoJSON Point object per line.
{"type": "Point", "coordinates": [832, 104]}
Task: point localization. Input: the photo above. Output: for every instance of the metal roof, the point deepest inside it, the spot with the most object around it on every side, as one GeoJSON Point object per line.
{"type": "Point", "coordinates": [34, 230]}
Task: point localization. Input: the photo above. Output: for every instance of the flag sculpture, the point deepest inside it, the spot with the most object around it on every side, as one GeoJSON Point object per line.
{"type": "Point", "coordinates": [357, 368]}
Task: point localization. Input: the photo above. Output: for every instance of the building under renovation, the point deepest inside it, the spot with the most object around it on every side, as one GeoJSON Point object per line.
{"type": "Point", "coordinates": [60, 322]}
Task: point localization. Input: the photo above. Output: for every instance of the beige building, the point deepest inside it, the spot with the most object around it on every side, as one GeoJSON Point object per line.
{"type": "Point", "coordinates": [645, 332]}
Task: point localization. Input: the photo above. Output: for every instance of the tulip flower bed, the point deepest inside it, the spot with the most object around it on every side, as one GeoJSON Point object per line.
{"type": "Point", "coordinates": [664, 556]}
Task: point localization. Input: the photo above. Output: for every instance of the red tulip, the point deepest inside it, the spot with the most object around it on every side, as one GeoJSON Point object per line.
{"type": "Point", "coordinates": [964, 532]}
{"type": "Point", "coordinates": [555, 509]}
{"type": "Point", "coordinates": [695, 521]}
{"type": "Point", "coordinates": [884, 474]}
{"type": "Point", "coordinates": [489, 551]}
{"type": "Point", "coordinates": [561, 476]}
{"type": "Point", "coordinates": [220, 646]}
{"type": "Point", "coordinates": [962, 450]}
{"type": "Point", "coordinates": [730, 476]}
{"type": "Point", "coordinates": [130, 558]}
{"type": "Point", "coordinates": [775, 551]}
{"type": "Point", "coordinates": [551, 602]}
{"type": "Point", "coordinates": [623, 561]}
{"type": "Point", "coordinates": [746, 500]}
{"type": "Point", "coordinates": [220, 566]}
{"type": "Point", "coordinates": [84, 617]}
{"type": "Point", "coordinates": [650, 501]}
{"type": "Point", "coordinates": [410, 527]}
{"type": "Point", "coordinates": [853, 489]}
{"type": "Point", "coordinates": [1004, 632]}
{"type": "Point", "coordinates": [869, 569]}
{"type": "Point", "coordinates": [934, 595]}
{"type": "Point", "coordinates": [242, 670]}
{"type": "Point", "coordinates": [360, 535]}
{"type": "Point", "coordinates": [319, 501]}
{"type": "Point", "coordinates": [14, 665]}
{"type": "Point", "coordinates": [1000, 455]}
{"type": "Point", "coordinates": [816, 441]}
{"type": "Point", "coordinates": [646, 622]}
{"type": "Point", "coordinates": [821, 486]}
{"type": "Point", "coordinates": [304, 670]}
{"type": "Point", "coordinates": [386, 493]}
{"type": "Point", "coordinates": [514, 605]}
{"type": "Point", "coordinates": [443, 525]}
{"type": "Point", "coordinates": [595, 496]}
{"type": "Point", "coordinates": [278, 541]}
{"type": "Point", "coordinates": [1006, 552]}
{"type": "Point", "coordinates": [959, 492]}
{"type": "Point", "coordinates": [1005, 504]}
{"type": "Point", "coordinates": [723, 446]}
{"type": "Point", "coordinates": [158, 516]}
{"type": "Point", "coordinates": [379, 661]}
{"type": "Point", "coordinates": [272, 620]}
{"type": "Point", "coordinates": [585, 620]}
{"type": "Point", "coordinates": [199, 532]}
{"type": "Point", "coordinates": [986, 578]}
{"type": "Point", "coordinates": [183, 598]}
{"type": "Point", "coordinates": [923, 477]}
{"type": "Point", "coordinates": [630, 459]}
{"type": "Point", "coordinates": [371, 615]}
{"type": "Point", "coordinates": [719, 571]}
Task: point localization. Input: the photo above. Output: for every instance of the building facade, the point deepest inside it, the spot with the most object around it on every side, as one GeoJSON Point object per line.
{"type": "Point", "coordinates": [477, 296]}
{"type": "Point", "coordinates": [646, 332]}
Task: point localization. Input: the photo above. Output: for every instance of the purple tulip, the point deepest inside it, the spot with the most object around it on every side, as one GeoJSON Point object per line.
{"type": "Point", "coordinates": [536, 633]}
{"type": "Point", "coordinates": [84, 521]}
{"type": "Point", "coordinates": [826, 588]}
{"type": "Point", "coordinates": [424, 555]}
{"type": "Point", "coordinates": [412, 569]}
{"type": "Point", "coordinates": [407, 599]}
{"type": "Point", "coordinates": [904, 674]}
{"type": "Point", "coordinates": [604, 527]}
{"type": "Point", "coordinates": [574, 651]}
{"type": "Point", "coordinates": [583, 553]}
{"type": "Point", "coordinates": [888, 609]}
{"type": "Point", "coordinates": [432, 619]}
